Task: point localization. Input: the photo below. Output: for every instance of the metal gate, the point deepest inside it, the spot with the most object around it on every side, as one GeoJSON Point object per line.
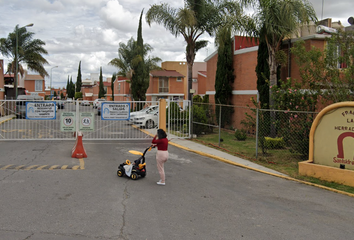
{"type": "Point", "coordinates": [97, 120]}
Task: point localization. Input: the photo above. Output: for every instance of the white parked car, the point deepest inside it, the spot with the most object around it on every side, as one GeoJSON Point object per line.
{"type": "Point", "coordinates": [142, 112]}
{"type": "Point", "coordinates": [97, 101]}
{"type": "Point", "coordinates": [147, 120]}
{"type": "Point", "coordinates": [85, 103]}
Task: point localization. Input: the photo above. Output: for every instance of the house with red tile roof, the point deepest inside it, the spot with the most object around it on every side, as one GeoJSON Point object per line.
{"type": "Point", "coordinates": [121, 89]}
{"type": "Point", "coordinates": [29, 84]}
{"type": "Point", "coordinates": [182, 68]}
{"type": "Point", "coordinates": [166, 84]}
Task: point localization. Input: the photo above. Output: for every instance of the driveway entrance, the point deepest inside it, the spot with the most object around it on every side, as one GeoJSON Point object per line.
{"type": "Point", "coordinates": [52, 120]}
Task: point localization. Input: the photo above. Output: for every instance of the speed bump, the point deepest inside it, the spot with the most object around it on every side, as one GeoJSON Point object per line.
{"type": "Point", "coordinates": [40, 167]}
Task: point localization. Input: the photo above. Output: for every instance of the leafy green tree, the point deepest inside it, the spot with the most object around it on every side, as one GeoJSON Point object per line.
{"type": "Point", "coordinates": [224, 75]}
{"type": "Point", "coordinates": [193, 20]}
{"type": "Point", "coordinates": [30, 51]}
{"type": "Point", "coordinates": [101, 91]}
{"type": "Point", "coordinates": [114, 76]}
{"type": "Point", "coordinates": [78, 80]}
{"type": "Point", "coordinates": [328, 73]}
{"type": "Point", "coordinates": [322, 81]}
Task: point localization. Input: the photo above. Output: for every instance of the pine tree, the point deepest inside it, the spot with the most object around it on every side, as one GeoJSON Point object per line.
{"type": "Point", "coordinates": [224, 74]}
{"type": "Point", "coordinates": [67, 88]}
{"type": "Point", "coordinates": [78, 80]}
{"type": "Point", "coordinates": [262, 71]}
{"type": "Point", "coordinates": [112, 85]}
{"type": "Point", "coordinates": [101, 92]}
{"type": "Point", "coordinates": [140, 78]}
{"type": "Point", "coordinates": [263, 74]}
{"type": "Point", "coordinates": [71, 88]}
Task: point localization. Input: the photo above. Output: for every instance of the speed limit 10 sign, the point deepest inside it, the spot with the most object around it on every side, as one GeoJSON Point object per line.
{"type": "Point", "coordinates": [67, 122]}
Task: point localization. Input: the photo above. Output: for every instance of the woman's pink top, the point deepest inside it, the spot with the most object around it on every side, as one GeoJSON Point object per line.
{"type": "Point", "coordinates": [161, 143]}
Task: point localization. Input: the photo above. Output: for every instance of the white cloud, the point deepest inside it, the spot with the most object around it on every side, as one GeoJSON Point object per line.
{"type": "Point", "coordinates": [90, 31]}
{"type": "Point", "coordinates": [117, 17]}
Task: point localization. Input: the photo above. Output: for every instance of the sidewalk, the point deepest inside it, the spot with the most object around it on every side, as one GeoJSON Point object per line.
{"type": "Point", "coordinates": [214, 153]}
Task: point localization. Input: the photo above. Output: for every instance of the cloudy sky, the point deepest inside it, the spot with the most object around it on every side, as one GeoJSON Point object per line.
{"type": "Point", "coordinates": [90, 31]}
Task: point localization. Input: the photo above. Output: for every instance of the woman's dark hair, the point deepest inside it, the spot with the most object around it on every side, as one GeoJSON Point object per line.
{"type": "Point", "coordinates": [161, 133]}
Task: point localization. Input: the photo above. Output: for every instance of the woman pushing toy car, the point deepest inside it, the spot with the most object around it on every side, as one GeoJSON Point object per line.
{"type": "Point", "coordinates": [162, 154]}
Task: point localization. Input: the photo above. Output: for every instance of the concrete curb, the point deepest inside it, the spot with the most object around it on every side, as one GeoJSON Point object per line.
{"type": "Point", "coordinates": [5, 119]}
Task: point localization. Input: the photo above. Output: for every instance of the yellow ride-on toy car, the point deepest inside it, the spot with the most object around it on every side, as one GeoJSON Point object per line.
{"type": "Point", "coordinates": [135, 169]}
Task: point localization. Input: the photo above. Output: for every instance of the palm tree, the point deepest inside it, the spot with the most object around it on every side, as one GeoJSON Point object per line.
{"type": "Point", "coordinates": [128, 59]}
{"type": "Point", "coordinates": [276, 20]}
{"type": "Point", "coordinates": [191, 22]}
{"type": "Point", "coordinates": [125, 58]}
{"type": "Point", "coordinates": [30, 51]}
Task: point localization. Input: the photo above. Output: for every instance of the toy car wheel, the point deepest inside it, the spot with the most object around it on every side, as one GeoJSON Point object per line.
{"type": "Point", "coordinates": [143, 175]}
{"type": "Point", "coordinates": [120, 173]}
{"type": "Point", "coordinates": [134, 176]}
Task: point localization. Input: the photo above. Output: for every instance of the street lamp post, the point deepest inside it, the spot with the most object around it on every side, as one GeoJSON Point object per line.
{"type": "Point", "coordinates": [51, 92]}
{"type": "Point", "coordinates": [16, 58]}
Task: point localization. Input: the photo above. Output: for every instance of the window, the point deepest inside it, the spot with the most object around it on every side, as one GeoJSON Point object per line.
{"type": "Point", "coordinates": [38, 85]}
{"type": "Point", "coordinates": [335, 56]}
{"type": "Point", "coordinates": [163, 85]}
{"type": "Point", "coordinates": [118, 87]}
{"type": "Point", "coordinates": [179, 79]}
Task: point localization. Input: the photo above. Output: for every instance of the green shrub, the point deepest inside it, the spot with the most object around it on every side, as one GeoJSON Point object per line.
{"type": "Point", "coordinates": [199, 115]}
{"type": "Point", "coordinates": [274, 143]}
{"type": "Point", "coordinates": [78, 95]}
{"type": "Point", "coordinates": [241, 134]}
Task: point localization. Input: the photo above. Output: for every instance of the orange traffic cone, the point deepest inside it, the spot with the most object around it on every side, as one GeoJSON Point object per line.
{"type": "Point", "coordinates": [78, 150]}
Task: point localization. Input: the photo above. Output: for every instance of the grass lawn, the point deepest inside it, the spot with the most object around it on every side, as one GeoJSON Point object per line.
{"type": "Point", "coordinates": [281, 160]}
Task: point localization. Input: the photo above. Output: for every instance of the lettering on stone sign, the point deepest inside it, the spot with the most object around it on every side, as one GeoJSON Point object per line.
{"type": "Point", "coordinates": [344, 128]}
{"type": "Point", "coordinates": [342, 161]}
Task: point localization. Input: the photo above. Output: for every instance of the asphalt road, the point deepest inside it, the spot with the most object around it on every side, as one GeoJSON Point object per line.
{"type": "Point", "coordinates": [203, 198]}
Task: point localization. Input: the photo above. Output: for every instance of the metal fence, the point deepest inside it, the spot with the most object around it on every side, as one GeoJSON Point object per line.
{"type": "Point", "coordinates": [286, 131]}
{"type": "Point", "coordinates": [66, 118]}
{"type": "Point", "coordinates": [178, 117]}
